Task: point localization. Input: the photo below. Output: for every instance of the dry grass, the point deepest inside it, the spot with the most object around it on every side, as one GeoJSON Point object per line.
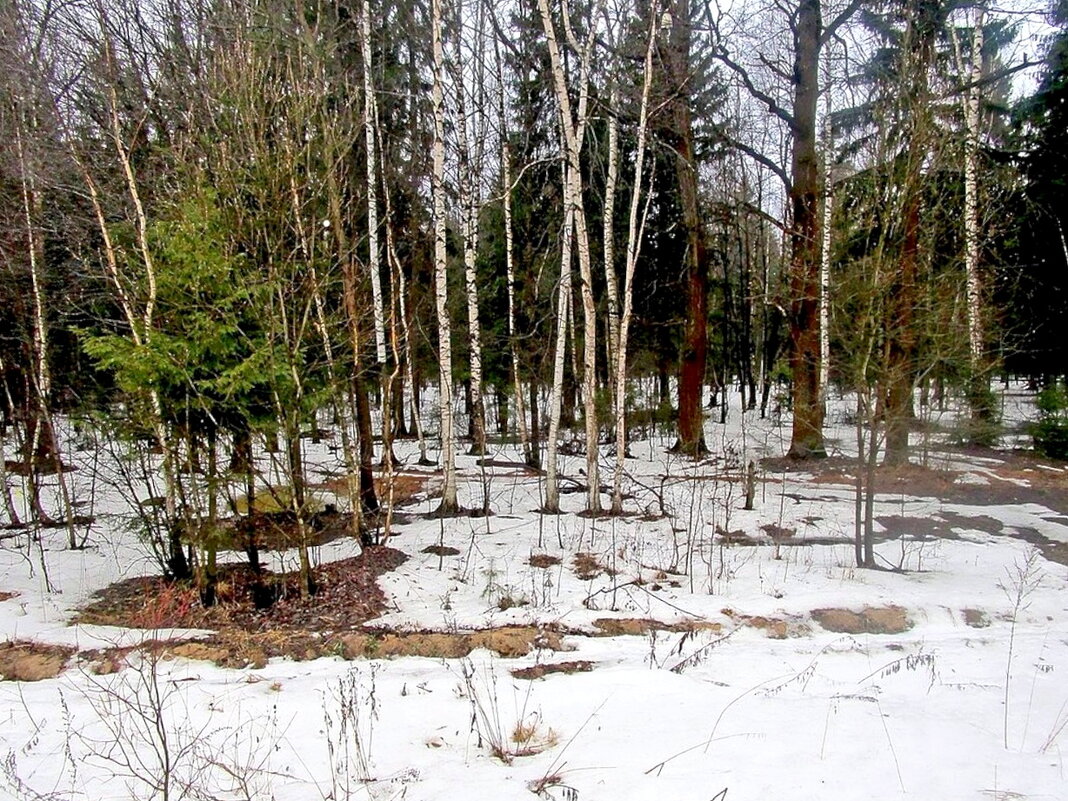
{"type": "Point", "coordinates": [543, 560]}
{"type": "Point", "coordinates": [587, 567]}
{"type": "Point", "coordinates": [30, 661]}
{"type": "Point", "coordinates": [869, 620]}
{"type": "Point", "coordinates": [544, 669]}
{"type": "Point", "coordinates": [640, 626]}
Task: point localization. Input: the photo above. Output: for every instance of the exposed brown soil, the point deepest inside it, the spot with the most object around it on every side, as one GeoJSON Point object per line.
{"type": "Point", "coordinates": [587, 567]}
{"type": "Point", "coordinates": [278, 531]}
{"type": "Point", "coordinates": [1045, 483]}
{"type": "Point", "coordinates": [442, 550]}
{"type": "Point", "coordinates": [976, 618]}
{"type": "Point", "coordinates": [616, 627]}
{"type": "Point", "coordinates": [28, 661]}
{"type": "Point", "coordinates": [7, 596]}
{"type": "Point", "coordinates": [406, 486]}
{"type": "Point", "coordinates": [543, 560]}
{"type": "Point", "coordinates": [346, 596]}
{"type": "Point", "coordinates": [774, 628]}
{"type": "Point", "coordinates": [544, 669]}
{"type": "Point", "coordinates": [869, 620]}
{"type": "Point", "coordinates": [509, 642]}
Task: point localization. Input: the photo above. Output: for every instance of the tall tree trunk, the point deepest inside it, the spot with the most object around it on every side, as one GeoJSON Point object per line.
{"type": "Point", "coordinates": [530, 454]}
{"type": "Point", "coordinates": [374, 255]}
{"type": "Point", "coordinates": [449, 503]}
{"type": "Point", "coordinates": [695, 338]}
{"type": "Point", "coordinates": [469, 177]}
{"type": "Point", "coordinates": [635, 230]}
{"type": "Point", "coordinates": [552, 481]}
{"type": "Point", "coordinates": [573, 126]}
{"type": "Point", "coordinates": [807, 433]}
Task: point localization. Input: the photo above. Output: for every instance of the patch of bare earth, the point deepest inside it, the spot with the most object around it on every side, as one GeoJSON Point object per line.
{"type": "Point", "coordinates": [406, 486]}
{"type": "Point", "coordinates": [588, 568]}
{"type": "Point", "coordinates": [544, 669]}
{"type": "Point", "coordinates": [976, 618]}
{"type": "Point", "coordinates": [29, 661]}
{"type": "Point", "coordinates": [442, 550]}
{"type": "Point", "coordinates": [774, 628]}
{"type": "Point", "coordinates": [509, 642]}
{"type": "Point", "coordinates": [640, 626]}
{"type": "Point", "coordinates": [248, 631]}
{"type": "Point", "coordinates": [543, 560]}
{"type": "Point", "coordinates": [869, 620]}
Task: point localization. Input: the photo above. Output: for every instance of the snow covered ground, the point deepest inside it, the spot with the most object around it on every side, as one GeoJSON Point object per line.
{"type": "Point", "coordinates": [737, 691]}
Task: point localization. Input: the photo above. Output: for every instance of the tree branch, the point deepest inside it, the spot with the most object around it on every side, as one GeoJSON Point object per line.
{"type": "Point", "coordinates": [847, 12]}
{"type": "Point", "coordinates": [760, 95]}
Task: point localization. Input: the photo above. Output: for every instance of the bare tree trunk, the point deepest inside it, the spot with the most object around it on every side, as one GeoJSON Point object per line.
{"type": "Point", "coordinates": [977, 381]}
{"type": "Point", "coordinates": [807, 434]}
{"type": "Point", "coordinates": [552, 482]}
{"type": "Point", "coordinates": [469, 180]}
{"type": "Point", "coordinates": [635, 230]}
{"type": "Point", "coordinates": [449, 503]}
{"type": "Point", "coordinates": [825, 266]}
{"type": "Point", "coordinates": [695, 339]}
{"type": "Point", "coordinates": [573, 127]}
{"type": "Point", "coordinates": [609, 236]}
{"type": "Point", "coordinates": [374, 255]}
{"type": "Point", "coordinates": [530, 455]}
{"type": "Point", "coordinates": [971, 103]}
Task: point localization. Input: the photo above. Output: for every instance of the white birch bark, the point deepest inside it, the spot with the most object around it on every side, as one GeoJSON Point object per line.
{"type": "Point", "coordinates": [971, 197]}
{"type": "Point", "coordinates": [509, 265]}
{"type": "Point", "coordinates": [635, 231]}
{"type": "Point", "coordinates": [374, 254]}
{"type": "Point", "coordinates": [573, 127]}
{"type": "Point", "coordinates": [563, 303]}
{"type": "Point", "coordinates": [448, 436]}
{"type": "Point", "coordinates": [468, 170]}
{"type": "Point", "coordinates": [608, 233]}
{"type": "Point", "coordinates": [825, 261]}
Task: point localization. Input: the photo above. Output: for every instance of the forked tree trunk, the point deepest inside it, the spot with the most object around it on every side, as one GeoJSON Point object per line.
{"type": "Point", "coordinates": [573, 126]}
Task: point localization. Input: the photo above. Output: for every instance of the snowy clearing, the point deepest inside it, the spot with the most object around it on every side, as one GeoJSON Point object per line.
{"type": "Point", "coordinates": [736, 670]}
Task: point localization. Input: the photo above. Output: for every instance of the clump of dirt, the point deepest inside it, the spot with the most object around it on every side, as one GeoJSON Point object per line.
{"type": "Point", "coordinates": [869, 620]}
{"type": "Point", "coordinates": [774, 628]}
{"type": "Point", "coordinates": [509, 642]}
{"type": "Point", "coordinates": [406, 486]}
{"type": "Point", "coordinates": [639, 626]}
{"type": "Point", "coordinates": [543, 560]}
{"type": "Point", "coordinates": [588, 568]}
{"type": "Point", "coordinates": [544, 669]}
{"type": "Point", "coordinates": [976, 618]}
{"type": "Point", "coordinates": [777, 532]}
{"type": "Point", "coordinates": [7, 596]}
{"type": "Point", "coordinates": [442, 550]}
{"type": "Point", "coordinates": [29, 661]}
{"type": "Point", "coordinates": [279, 530]}
{"type": "Point", "coordinates": [346, 596]}
{"type": "Point", "coordinates": [733, 537]}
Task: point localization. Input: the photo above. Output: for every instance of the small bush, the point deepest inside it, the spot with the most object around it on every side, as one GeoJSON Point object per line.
{"type": "Point", "coordinates": [1050, 433]}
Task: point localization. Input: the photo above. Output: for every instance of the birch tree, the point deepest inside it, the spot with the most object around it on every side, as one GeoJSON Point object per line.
{"type": "Point", "coordinates": [449, 503]}
{"type": "Point", "coordinates": [635, 231]}
{"type": "Point", "coordinates": [573, 127]}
